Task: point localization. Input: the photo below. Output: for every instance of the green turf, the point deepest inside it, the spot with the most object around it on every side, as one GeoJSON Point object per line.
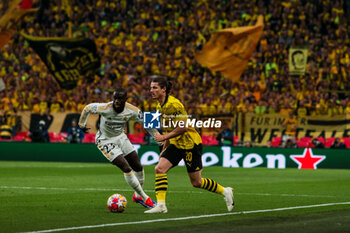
{"type": "Point", "coordinates": [38, 196]}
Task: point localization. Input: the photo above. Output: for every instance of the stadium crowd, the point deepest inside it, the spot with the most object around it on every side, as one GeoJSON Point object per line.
{"type": "Point", "coordinates": [137, 38]}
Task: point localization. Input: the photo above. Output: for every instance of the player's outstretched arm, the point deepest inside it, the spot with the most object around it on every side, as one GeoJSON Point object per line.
{"type": "Point", "coordinates": [154, 133]}
{"type": "Point", "coordinates": [90, 108]}
{"type": "Point", "coordinates": [138, 116]}
{"type": "Point", "coordinates": [176, 132]}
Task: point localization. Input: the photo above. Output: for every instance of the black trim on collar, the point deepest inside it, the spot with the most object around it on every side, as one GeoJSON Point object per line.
{"type": "Point", "coordinates": [166, 100]}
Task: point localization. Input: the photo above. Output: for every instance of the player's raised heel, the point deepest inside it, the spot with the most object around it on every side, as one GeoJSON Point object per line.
{"type": "Point", "coordinates": [229, 199]}
{"type": "Point", "coordinates": [160, 208]}
{"type": "Point", "coordinates": [150, 203]}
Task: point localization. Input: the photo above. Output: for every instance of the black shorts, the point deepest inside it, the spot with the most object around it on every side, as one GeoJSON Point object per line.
{"type": "Point", "coordinates": [192, 157]}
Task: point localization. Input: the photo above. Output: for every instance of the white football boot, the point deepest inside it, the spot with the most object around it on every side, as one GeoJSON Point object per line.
{"type": "Point", "coordinates": [228, 197]}
{"type": "Point", "coordinates": [160, 208]}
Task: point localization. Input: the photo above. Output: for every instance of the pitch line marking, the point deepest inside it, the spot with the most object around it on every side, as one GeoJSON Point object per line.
{"type": "Point", "coordinates": [127, 190]}
{"type": "Point", "coordinates": [284, 195]}
{"type": "Point", "coordinates": [86, 189]}
{"type": "Point", "coordinates": [189, 217]}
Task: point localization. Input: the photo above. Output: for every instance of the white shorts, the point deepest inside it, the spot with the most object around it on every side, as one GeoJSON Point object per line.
{"type": "Point", "coordinates": [286, 137]}
{"type": "Point", "coordinates": [113, 147]}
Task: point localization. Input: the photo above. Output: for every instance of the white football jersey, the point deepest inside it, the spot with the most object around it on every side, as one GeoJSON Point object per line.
{"type": "Point", "coordinates": [112, 123]}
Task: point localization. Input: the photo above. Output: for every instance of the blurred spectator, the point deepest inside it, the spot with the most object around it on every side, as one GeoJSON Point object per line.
{"type": "Point", "coordinates": [290, 143]}
{"type": "Point", "coordinates": [261, 108]}
{"type": "Point", "coordinates": [5, 129]}
{"type": "Point", "coordinates": [35, 106]}
{"type": "Point", "coordinates": [225, 137]}
{"type": "Point", "coordinates": [290, 124]}
{"type": "Point", "coordinates": [10, 119]}
{"type": "Point", "coordinates": [56, 105]}
{"type": "Point", "coordinates": [70, 105]}
{"type": "Point", "coordinates": [75, 134]}
{"type": "Point", "coordinates": [248, 144]}
{"type": "Point", "coordinates": [40, 134]}
{"type": "Point", "coordinates": [338, 144]}
{"type": "Point", "coordinates": [268, 144]}
{"type": "Point", "coordinates": [302, 110]}
{"type": "Point", "coordinates": [44, 104]}
{"type": "Point", "coordinates": [286, 109]}
{"type": "Point", "coordinates": [317, 143]}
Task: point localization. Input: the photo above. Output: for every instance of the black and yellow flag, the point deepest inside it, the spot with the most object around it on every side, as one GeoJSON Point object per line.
{"type": "Point", "coordinates": [68, 59]}
{"type": "Point", "coordinates": [229, 50]}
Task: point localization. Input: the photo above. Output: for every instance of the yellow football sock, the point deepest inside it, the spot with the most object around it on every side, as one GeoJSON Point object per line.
{"type": "Point", "coordinates": [212, 186]}
{"type": "Point", "coordinates": [161, 187]}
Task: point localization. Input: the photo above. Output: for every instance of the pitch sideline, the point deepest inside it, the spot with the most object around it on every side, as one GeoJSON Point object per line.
{"type": "Point", "coordinates": [189, 217]}
{"type": "Point", "coordinates": [147, 190]}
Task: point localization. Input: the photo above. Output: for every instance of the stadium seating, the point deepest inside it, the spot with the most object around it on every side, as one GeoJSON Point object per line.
{"type": "Point", "coordinates": [236, 141]}
{"type": "Point", "coordinates": [276, 142]}
{"type": "Point", "coordinates": [346, 141]}
{"type": "Point", "coordinates": [137, 138]}
{"type": "Point", "coordinates": [305, 142]}
{"type": "Point", "coordinates": [322, 140]}
{"type": "Point", "coordinates": [328, 142]}
{"type": "Point", "coordinates": [209, 140]}
{"type": "Point", "coordinates": [89, 138]}
{"type": "Point", "coordinates": [22, 136]}
{"type": "Point", "coordinates": [57, 137]}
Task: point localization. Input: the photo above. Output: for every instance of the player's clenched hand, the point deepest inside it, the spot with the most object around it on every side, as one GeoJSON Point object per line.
{"type": "Point", "coordinates": [159, 138]}
{"type": "Point", "coordinates": [85, 129]}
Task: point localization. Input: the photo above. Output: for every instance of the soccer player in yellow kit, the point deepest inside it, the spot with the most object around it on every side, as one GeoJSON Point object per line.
{"type": "Point", "coordinates": [179, 143]}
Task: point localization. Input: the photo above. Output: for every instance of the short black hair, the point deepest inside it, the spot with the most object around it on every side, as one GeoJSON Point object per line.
{"type": "Point", "coordinates": [163, 82]}
{"type": "Point", "coordinates": [120, 92]}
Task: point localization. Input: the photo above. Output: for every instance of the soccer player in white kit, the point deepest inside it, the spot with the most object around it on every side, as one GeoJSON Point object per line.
{"type": "Point", "coordinates": [113, 142]}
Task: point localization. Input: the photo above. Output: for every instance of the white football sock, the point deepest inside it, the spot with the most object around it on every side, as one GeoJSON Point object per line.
{"type": "Point", "coordinates": [131, 179]}
{"type": "Point", "coordinates": [141, 177]}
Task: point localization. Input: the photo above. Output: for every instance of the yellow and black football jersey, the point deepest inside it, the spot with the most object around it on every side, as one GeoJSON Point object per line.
{"type": "Point", "coordinates": [174, 111]}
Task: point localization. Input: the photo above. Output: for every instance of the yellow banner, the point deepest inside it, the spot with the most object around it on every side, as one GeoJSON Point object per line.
{"type": "Point", "coordinates": [297, 60]}
{"type": "Point", "coordinates": [260, 129]}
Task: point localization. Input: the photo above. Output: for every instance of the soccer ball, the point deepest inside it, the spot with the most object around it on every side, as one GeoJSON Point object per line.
{"type": "Point", "coordinates": [117, 203]}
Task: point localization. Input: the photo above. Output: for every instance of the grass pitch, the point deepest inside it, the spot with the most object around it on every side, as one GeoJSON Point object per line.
{"type": "Point", "coordinates": [71, 197]}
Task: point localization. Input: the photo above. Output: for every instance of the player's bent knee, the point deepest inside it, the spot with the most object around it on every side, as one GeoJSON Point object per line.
{"type": "Point", "coordinates": [160, 170]}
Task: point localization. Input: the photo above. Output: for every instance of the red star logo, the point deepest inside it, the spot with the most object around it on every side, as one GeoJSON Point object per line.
{"type": "Point", "coordinates": [307, 160]}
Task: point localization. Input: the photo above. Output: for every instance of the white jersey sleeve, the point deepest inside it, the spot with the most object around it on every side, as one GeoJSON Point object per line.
{"type": "Point", "coordinates": [112, 123]}
{"type": "Point", "coordinates": [138, 116]}
{"type": "Point", "coordinates": [88, 109]}
{"type": "Point", "coordinates": [136, 113]}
